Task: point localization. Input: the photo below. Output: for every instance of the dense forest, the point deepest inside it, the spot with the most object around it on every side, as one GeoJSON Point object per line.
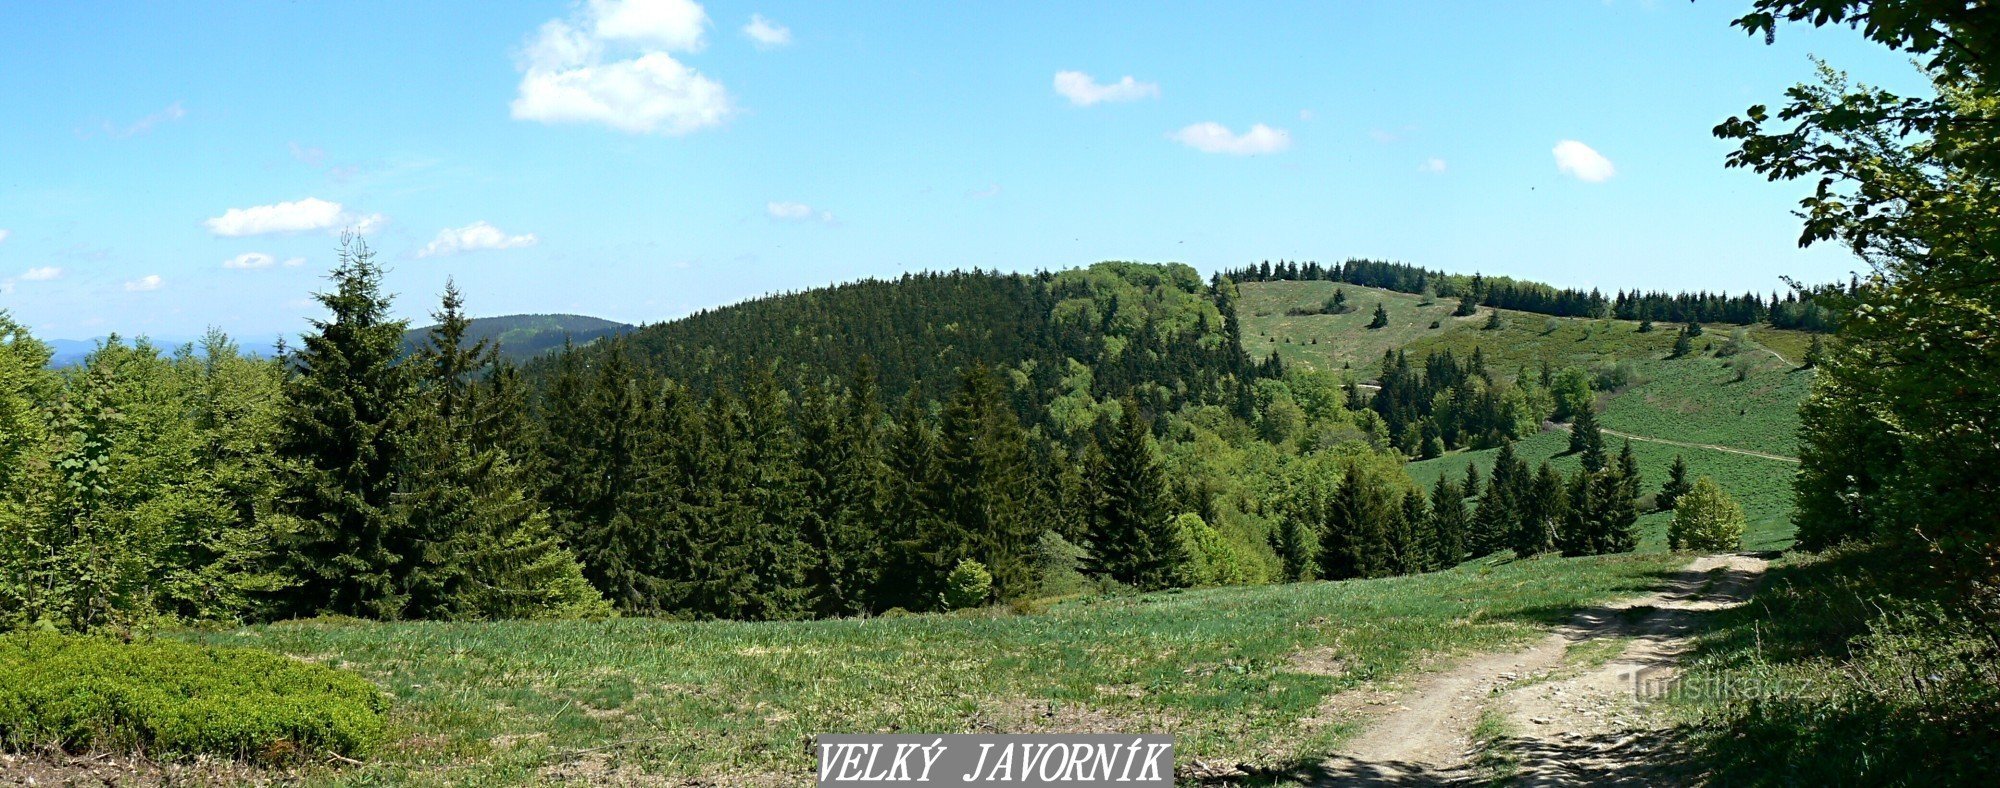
{"type": "Point", "coordinates": [1155, 332]}
{"type": "Point", "coordinates": [1787, 311]}
{"type": "Point", "coordinates": [1090, 429]}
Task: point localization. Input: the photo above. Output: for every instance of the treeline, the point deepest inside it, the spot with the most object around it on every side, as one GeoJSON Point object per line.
{"type": "Point", "coordinates": [349, 476]}
{"type": "Point", "coordinates": [1789, 311]}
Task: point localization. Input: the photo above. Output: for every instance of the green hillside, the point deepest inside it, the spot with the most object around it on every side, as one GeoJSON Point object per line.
{"type": "Point", "coordinates": [1254, 675]}
{"type": "Point", "coordinates": [1153, 330]}
{"type": "Point", "coordinates": [522, 337]}
{"type": "Point", "coordinates": [1700, 407]}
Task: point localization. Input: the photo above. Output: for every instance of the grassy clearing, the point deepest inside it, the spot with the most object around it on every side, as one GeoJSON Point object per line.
{"type": "Point", "coordinates": [1327, 342]}
{"type": "Point", "coordinates": [1848, 668]}
{"type": "Point", "coordinates": [1699, 400]}
{"type": "Point", "coordinates": [1236, 673]}
{"type": "Point", "coordinates": [1762, 486]}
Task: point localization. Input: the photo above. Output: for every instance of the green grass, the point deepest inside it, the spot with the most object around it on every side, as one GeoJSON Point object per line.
{"type": "Point", "coordinates": [1326, 342]}
{"type": "Point", "coordinates": [1699, 400]}
{"type": "Point", "coordinates": [1221, 668]}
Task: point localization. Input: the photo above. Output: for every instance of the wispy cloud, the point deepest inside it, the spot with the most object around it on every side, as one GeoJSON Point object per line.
{"type": "Point", "coordinates": [980, 194]}
{"type": "Point", "coordinates": [1583, 162]}
{"type": "Point", "coordinates": [43, 274]}
{"type": "Point", "coordinates": [1083, 90]}
{"type": "Point", "coordinates": [795, 212]}
{"type": "Point", "coordinates": [145, 283]}
{"type": "Point", "coordinates": [145, 125]}
{"type": "Point", "coordinates": [1216, 138]}
{"type": "Point", "coordinates": [474, 237]}
{"type": "Point", "coordinates": [250, 260]}
{"type": "Point", "coordinates": [767, 34]}
{"type": "Point", "coordinates": [5, 234]}
{"type": "Point", "coordinates": [1431, 165]}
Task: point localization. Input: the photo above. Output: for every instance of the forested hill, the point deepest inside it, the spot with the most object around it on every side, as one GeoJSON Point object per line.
{"type": "Point", "coordinates": [1158, 331]}
{"type": "Point", "coordinates": [522, 337]}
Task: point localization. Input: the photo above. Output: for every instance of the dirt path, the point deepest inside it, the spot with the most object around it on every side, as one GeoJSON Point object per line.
{"type": "Point", "coordinates": [1566, 708]}
{"type": "Point", "coordinates": [1711, 446]}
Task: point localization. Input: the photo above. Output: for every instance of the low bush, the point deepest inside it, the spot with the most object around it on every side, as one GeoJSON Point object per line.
{"type": "Point", "coordinates": [1852, 667]}
{"type": "Point", "coordinates": [174, 699]}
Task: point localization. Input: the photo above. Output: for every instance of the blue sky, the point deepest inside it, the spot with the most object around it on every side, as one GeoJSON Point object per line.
{"type": "Point", "coordinates": [165, 167]}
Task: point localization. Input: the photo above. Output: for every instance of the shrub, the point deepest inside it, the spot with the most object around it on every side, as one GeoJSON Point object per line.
{"type": "Point", "coordinates": [1616, 376]}
{"type": "Point", "coordinates": [174, 699]}
{"type": "Point", "coordinates": [968, 585]}
{"type": "Point", "coordinates": [1706, 519]}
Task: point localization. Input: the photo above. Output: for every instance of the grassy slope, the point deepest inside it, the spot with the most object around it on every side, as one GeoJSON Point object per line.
{"type": "Point", "coordinates": [1220, 668]}
{"type": "Point", "coordinates": [1326, 342]}
{"type": "Point", "coordinates": [1690, 400]}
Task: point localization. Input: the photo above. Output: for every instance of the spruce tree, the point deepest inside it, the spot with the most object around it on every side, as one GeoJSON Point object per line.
{"type": "Point", "coordinates": [1354, 542]}
{"type": "Point", "coordinates": [1381, 319]}
{"type": "Point", "coordinates": [1683, 344]}
{"type": "Point", "coordinates": [1676, 485]}
{"type": "Point", "coordinates": [1587, 439]}
{"type": "Point", "coordinates": [844, 463]}
{"type": "Point", "coordinates": [1297, 547]}
{"type": "Point", "coordinates": [1467, 305]}
{"type": "Point", "coordinates": [1496, 517]}
{"type": "Point", "coordinates": [1450, 523]}
{"type": "Point", "coordinates": [766, 556]}
{"type": "Point", "coordinates": [983, 454]}
{"type": "Point", "coordinates": [1132, 540]}
{"type": "Point", "coordinates": [911, 578]}
{"type": "Point", "coordinates": [491, 550]}
{"type": "Point", "coordinates": [1542, 511]}
{"type": "Point", "coordinates": [1415, 539]}
{"type": "Point", "coordinates": [345, 432]}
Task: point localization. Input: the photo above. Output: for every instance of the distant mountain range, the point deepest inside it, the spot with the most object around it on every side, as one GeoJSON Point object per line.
{"type": "Point", "coordinates": [520, 337]}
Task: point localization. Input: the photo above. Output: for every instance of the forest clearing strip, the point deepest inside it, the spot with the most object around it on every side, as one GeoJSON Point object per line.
{"type": "Point", "coordinates": [1710, 446]}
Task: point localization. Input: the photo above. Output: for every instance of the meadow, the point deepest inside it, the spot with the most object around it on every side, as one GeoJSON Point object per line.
{"type": "Point", "coordinates": [1245, 674]}
{"type": "Point", "coordinates": [1698, 399]}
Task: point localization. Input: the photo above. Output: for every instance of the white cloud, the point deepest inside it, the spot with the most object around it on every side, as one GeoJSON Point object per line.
{"type": "Point", "coordinates": [42, 274]}
{"type": "Point", "coordinates": [474, 237]}
{"type": "Point", "coordinates": [569, 76]}
{"type": "Point", "coordinates": [295, 262]}
{"type": "Point", "coordinates": [1581, 161]}
{"type": "Point", "coordinates": [1083, 91]}
{"type": "Point", "coordinates": [4, 234]}
{"type": "Point", "coordinates": [145, 283]}
{"type": "Point", "coordinates": [248, 260]}
{"type": "Point", "coordinates": [1217, 138]}
{"type": "Point", "coordinates": [310, 213]}
{"type": "Point", "coordinates": [796, 212]}
{"type": "Point", "coordinates": [675, 25]}
{"type": "Point", "coordinates": [363, 225]}
{"type": "Point", "coordinates": [1431, 165]}
{"type": "Point", "coordinates": [767, 34]}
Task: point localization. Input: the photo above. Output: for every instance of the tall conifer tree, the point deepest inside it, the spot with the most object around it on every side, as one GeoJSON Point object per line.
{"type": "Point", "coordinates": [346, 427]}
